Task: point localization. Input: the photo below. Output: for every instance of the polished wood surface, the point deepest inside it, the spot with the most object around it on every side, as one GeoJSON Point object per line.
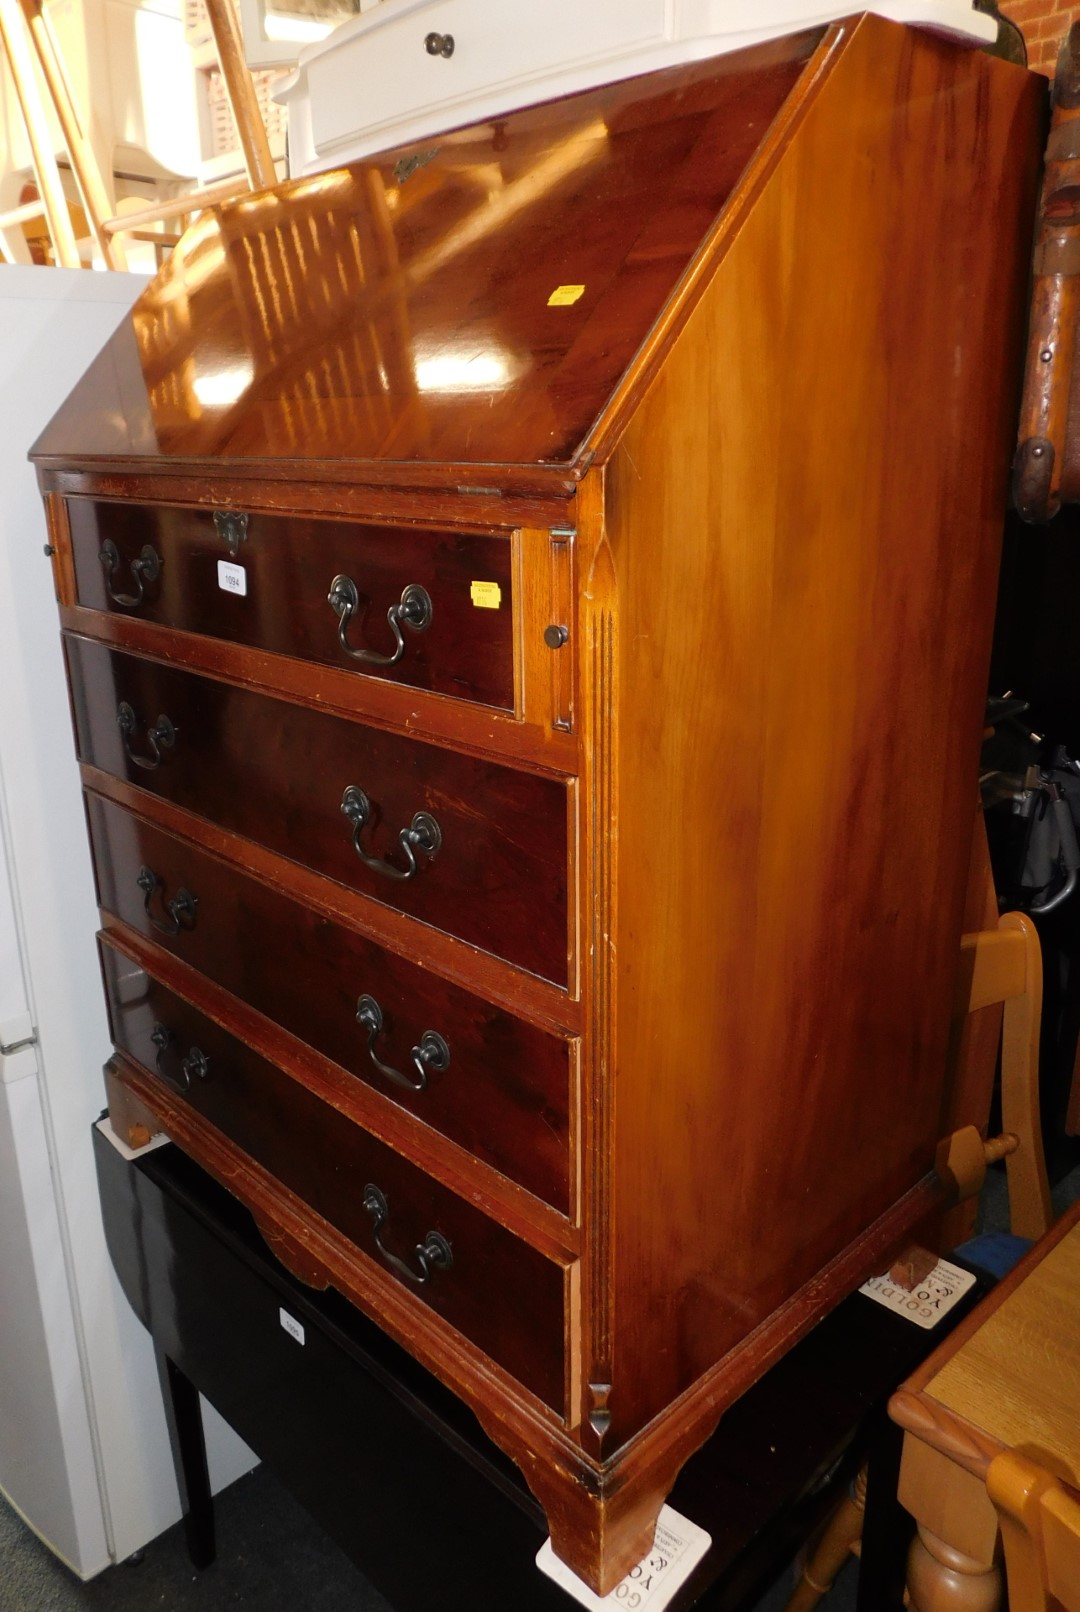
{"type": "Point", "coordinates": [263, 1111]}
{"type": "Point", "coordinates": [752, 516]}
{"type": "Point", "coordinates": [506, 1093]}
{"type": "Point", "coordinates": [287, 568]}
{"type": "Point", "coordinates": [278, 774]}
{"type": "Point", "coordinates": [378, 312]}
{"type": "Point", "coordinates": [1017, 1377]}
{"type": "Point", "coordinates": [832, 615]}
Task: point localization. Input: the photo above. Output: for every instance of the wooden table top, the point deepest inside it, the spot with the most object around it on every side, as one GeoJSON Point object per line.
{"type": "Point", "coordinates": [1009, 1376]}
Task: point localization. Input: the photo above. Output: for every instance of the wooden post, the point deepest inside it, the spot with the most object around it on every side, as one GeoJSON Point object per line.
{"type": "Point", "coordinates": [13, 38]}
{"type": "Point", "coordinates": [241, 92]}
{"type": "Point", "coordinates": [83, 162]}
{"type": "Point", "coordinates": [1030, 1210]}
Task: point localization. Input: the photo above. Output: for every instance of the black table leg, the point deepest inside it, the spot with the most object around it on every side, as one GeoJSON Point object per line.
{"type": "Point", "coordinates": [184, 1418]}
{"type": "Point", "coordinates": [887, 1527]}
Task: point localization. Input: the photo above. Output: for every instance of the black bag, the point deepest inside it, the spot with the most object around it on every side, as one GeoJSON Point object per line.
{"type": "Point", "coordinates": [1031, 795]}
{"type": "Point", "coordinates": [1052, 856]}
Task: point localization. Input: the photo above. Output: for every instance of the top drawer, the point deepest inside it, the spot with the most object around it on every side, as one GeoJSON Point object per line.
{"type": "Point", "coordinates": [266, 581]}
{"type": "Point", "coordinates": [492, 48]}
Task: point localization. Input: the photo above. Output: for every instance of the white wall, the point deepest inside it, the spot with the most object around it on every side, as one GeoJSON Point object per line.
{"type": "Point", "coordinates": [52, 322]}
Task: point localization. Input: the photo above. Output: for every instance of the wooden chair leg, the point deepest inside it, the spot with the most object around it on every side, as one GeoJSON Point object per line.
{"type": "Point", "coordinates": [16, 46]}
{"type": "Point", "coordinates": [240, 90]}
{"type": "Point", "coordinates": [843, 1532]}
{"type": "Point", "coordinates": [83, 162]}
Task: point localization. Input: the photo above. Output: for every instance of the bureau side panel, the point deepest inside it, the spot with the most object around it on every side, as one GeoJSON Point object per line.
{"type": "Point", "coordinates": [804, 520]}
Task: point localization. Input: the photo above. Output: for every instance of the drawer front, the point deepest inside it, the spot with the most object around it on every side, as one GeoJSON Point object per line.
{"type": "Point", "coordinates": [495, 43]}
{"type": "Point", "coordinates": [283, 775]}
{"type": "Point", "coordinates": [502, 1089]}
{"type": "Point", "coordinates": [502, 1294]}
{"type": "Point", "coordinates": [275, 595]}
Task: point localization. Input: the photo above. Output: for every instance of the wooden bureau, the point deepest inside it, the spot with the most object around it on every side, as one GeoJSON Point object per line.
{"type": "Point", "coordinates": [527, 602]}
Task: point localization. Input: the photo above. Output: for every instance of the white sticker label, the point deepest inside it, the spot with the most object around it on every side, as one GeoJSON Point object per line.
{"type": "Point", "coordinates": [232, 578]}
{"type": "Point", "coordinates": [677, 1548]}
{"type": "Point", "coordinates": [292, 1326]}
{"type": "Point", "coordinates": [927, 1301]}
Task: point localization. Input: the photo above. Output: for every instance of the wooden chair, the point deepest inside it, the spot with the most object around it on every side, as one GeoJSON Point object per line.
{"type": "Point", "coordinates": [24, 35]}
{"type": "Point", "coordinates": [1002, 965]}
{"type": "Point", "coordinates": [1040, 1530]}
{"type": "Point", "coordinates": [1005, 965]}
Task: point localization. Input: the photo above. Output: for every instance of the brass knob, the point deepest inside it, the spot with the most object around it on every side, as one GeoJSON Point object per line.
{"type": "Point", "coordinates": [439, 44]}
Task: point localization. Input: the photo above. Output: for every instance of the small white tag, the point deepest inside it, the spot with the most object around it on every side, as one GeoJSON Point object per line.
{"type": "Point", "coordinates": [129, 1153]}
{"type": "Point", "coordinates": [929, 1300]}
{"type": "Point", "coordinates": [291, 1325]}
{"type": "Point", "coordinates": [677, 1548]}
{"type": "Point", "coordinates": [232, 578]}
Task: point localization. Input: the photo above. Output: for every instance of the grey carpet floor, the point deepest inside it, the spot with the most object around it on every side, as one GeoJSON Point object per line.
{"type": "Point", "coordinates": [273, 1558]}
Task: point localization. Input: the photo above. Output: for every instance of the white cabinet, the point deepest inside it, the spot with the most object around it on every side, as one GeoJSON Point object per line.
{"type": "Point", "coordinates": [83, 1449]}
{"type": "Point", "coordinates": [391, 73]}
{"type": "Point", "coordinates": [373, 83]}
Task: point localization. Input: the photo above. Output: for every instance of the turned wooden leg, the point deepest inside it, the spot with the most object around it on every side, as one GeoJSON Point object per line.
{"type": "Point", "coordinates": [952, 1565]}
{"type": "Point", "coordinates": [842, 1534]}
{"type": "Point", "coordinates": [943, 1579]}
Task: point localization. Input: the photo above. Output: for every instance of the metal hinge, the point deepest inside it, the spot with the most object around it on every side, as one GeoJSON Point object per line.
{"type": "Point", "coordinates": [24, 1035]}
{"type": "Point", "coordinates": [7, 1048]}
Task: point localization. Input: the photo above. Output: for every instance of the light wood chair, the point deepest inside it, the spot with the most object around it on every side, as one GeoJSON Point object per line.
{"type": "Point", "coordinates": [1040, 1530]}
{"type": "Point", "coordinates": [1005, 965]}
{"type": "Point", "coordinates": [24, 36]}
{"type": "Point", "coordinates": [997, 966]}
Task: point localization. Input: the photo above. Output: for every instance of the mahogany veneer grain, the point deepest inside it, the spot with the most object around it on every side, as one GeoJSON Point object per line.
{"type": "Point", "coordinates": [507, 1092]}
{"type": "Point", "coordinates": [277, 773]}
{"type": "Point", "coordinates": [256, 1104]}
{"type": "Point", "coordinates": [409, 321]}
{"type": "Point", "coordinates": [467, 651]}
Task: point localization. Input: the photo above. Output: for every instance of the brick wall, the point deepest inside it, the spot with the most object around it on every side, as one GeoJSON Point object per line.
{"type": "Point", "coordinates": [1044, 23]}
